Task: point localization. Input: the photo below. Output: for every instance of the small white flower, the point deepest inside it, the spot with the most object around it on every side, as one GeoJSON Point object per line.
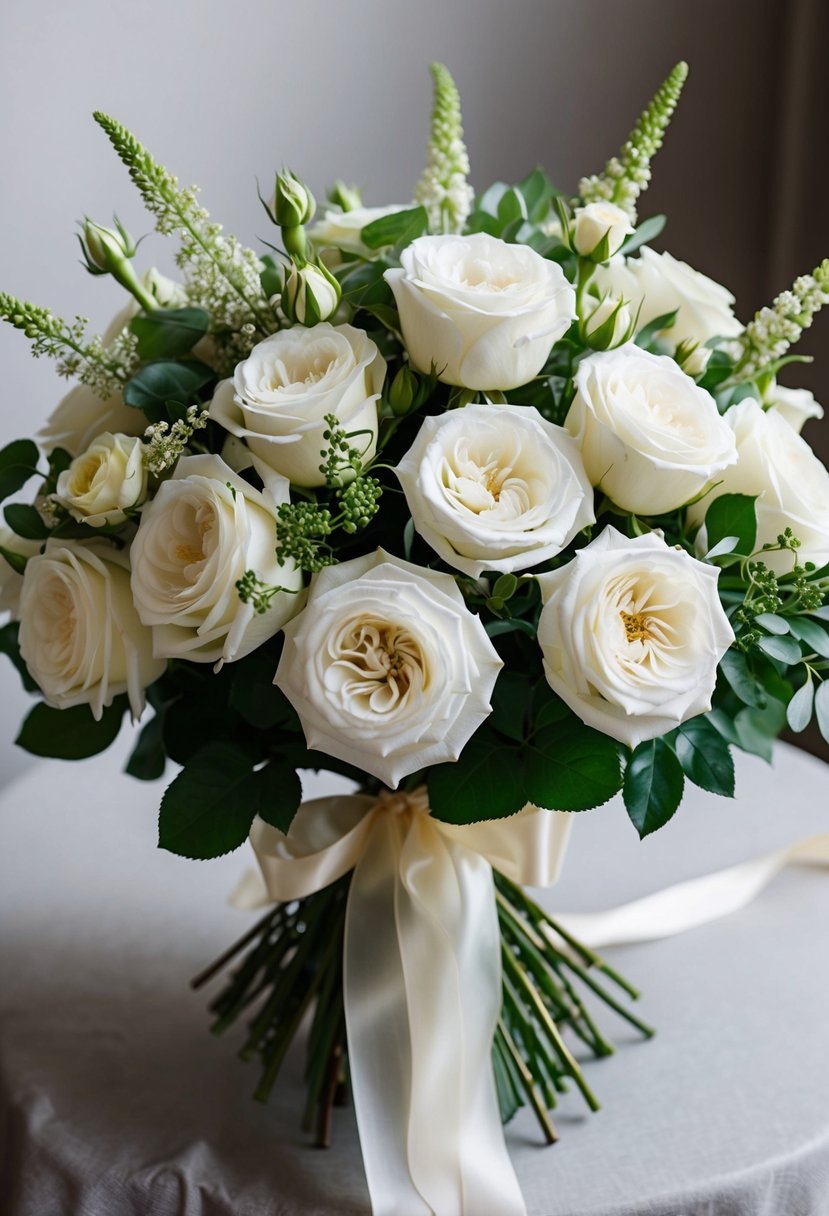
{"type": "Point", "coordinates": [483, 313]}
{"type": "Point", "coordinates": [203, 530]}
{"type": "Point", "coordinates": [650, 438]}
{"type": "Point", "coordinates": [386, 667]}
{"type": "Point", "coordinates": [80, 635]}
{"type": "Point", "coordinates": [631, 633]}
{"type": "Point", "coordinates": [280, 394]}
{"type": "Point", "coordinates": [601, 227]}
{"type": "Point", "coordinates": [495, 487]}
{"type": "Point", "coordinates": [105, 481]}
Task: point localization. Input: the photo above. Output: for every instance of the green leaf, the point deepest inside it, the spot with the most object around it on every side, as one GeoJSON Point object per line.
{"type": "Point", "coordinates": [511, 207]}
{"type": "Point", "coordinates": [799, 708]}
{"type": "Point", "coordinates": [278, 794]}
{"type": "Point", "coordinates": [537, 191]}
{"type": "Point", "coordinates": [510, 701]}
{"type": "Point", "coordinates": [395, 229]}
{"type": "Point", "coordinates": [648, 230]}
{"type": "Point", "coordinates": [263, 705]}
{"type": "Point", "coordinates": [734, 667]}
{"type": "Point", "coordinates": [70, 734]}
{"type": "Point", "coordinates": [732, 515]}
{"type": "Point", "coordinates": [18, 462]}
{"type": "Point", "coordinates": [155, 384]}
{"type": "Point", "coordinates": [816, 638]}
{"type": "Point", "coordinates": [786, 649]}
{"type": "Point", "coordinates": [649, 332]}
{"type": "Point", "coordinates": [569, 767]}
{"type": "Point", "coordinates": [653, 786]}
{"type": "Point", "coordinates": [169, 332]}
{"type": "Point", "coordinates": [772, 623]}
{"type": "Point", "coordinates": [486, 782]}
{"type": "Point", "coordinates": [10, 647]}
{"type": "Point", "coordinates": [704, 756]}
{"type": "Point", "coordinates": [26, 521]}
{"type": "Point", "coordinates": [148, 758]}
{"type": "Point", "coordinates": [17, 561]}
{"type": "Point", "coordinates": [209, 807]}
{"type": "Point", "coordinates": [758, 728]}
{"type": "Point", "coordinates": [516, 625]}
{"type": "Point", "coordinates": [822, 709]}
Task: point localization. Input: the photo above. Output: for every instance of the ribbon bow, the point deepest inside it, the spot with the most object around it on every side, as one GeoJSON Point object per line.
{"type": "Point", "coordinates": [422, 982]}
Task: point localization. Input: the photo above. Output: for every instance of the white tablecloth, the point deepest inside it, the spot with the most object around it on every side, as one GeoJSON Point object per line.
{"type": "Point", "coordinates": [115, 1101]}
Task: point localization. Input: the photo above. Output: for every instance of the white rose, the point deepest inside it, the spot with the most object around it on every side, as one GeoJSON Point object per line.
{"type": "Point", "coordinates": [776, 464]}
{"type": "Point", "coordinates": [495, 487]}
{"type": "Point", "coordinates": [650, 438]}
{"type": "Point", "coordinates": [10, 581]}
{"type": "Point", "coordinates": [280, 394]}
{"type": "Point", "coordinates": [101, 485]}
{"type": "Point", "coordinates": [387, 667]}
{"type": "Point", "coordinates": [631, 632]}
{"type": "Point", "coordinates": [598, 223]}
{"type": "Point", "coordinates": [205, 527]}
{"type": "Point", "coordinates": [661, 283]}
{"type": "Point", "coordinates": [82, 416]}
{"type": "Point", "coordinates": [80, 635]}
{"type": "Point", "coordinates": [794, 405]}
{"type": "Point", "coordinates": [484, 313]}
{"type": "Point", "coordinates": [341, 229]}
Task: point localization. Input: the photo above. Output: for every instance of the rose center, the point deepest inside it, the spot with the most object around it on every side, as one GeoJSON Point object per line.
{"type": "Point", "coordinates": [384, 662]}
{"type": "Point", "coordinates": [637, 626]}
{"type": "Point", "coordinates": [484, 482]}
{"type": "Point", "coordinates": [85, 475]}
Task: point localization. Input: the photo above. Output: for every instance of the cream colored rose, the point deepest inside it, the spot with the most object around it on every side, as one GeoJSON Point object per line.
{"type": "Point", "coordinates": [650, 438]}
{"type": "Point", "coordinates": [10, 581]}
{"type": "Point", "coordinates": [280, 394]}
{"type": "Point", "coordinates": [631, 632]}
{"type": "Point", "coordinates": [774, 462]}
{"type": "Point", "coordinates": [82, 416]}
{"type": "Point", "coordinates": [101, 485]}
{"type": "Point", "coordinates": [495, 487]}
{"type": "Point", "coordinates": [600, 227]}
{"type": "Point", "coordinates": [483, 313]}
{"type": "Point", "coordinates": [205, 527]}
{"type": "Point", "coordinates": [660, 283]}
{"type": "Point", "coordinates": [342, 229]}
{"type": "Point", "coordinates": [80, 635]}
{"type": "Point", "coordinates": [794, 405]}
{"type": "Point", "coordinates": [387, 667]}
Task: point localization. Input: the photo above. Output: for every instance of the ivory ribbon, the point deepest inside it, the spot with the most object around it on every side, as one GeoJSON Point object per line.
{"type": "Point", "coordinates": [422, 983]}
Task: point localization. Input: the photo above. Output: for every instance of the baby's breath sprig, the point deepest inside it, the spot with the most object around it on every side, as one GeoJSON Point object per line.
{"type": "Point", "coordinates": [221, 274]}
{"type": "Point", "coordinates": [443, 189]}
{"type": "Point", "coordinates": [252, 590]}
{"type": "Point", "coordinates": [165, 443]}
{"type": "Point", "coordinates": [103, 369]}
{"type": "Point", "coordinates": [774, 329]}
{"type": "Point", "coordinates": [628, 174]}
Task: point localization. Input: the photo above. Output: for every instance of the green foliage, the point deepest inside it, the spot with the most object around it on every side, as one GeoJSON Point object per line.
{"type": "Point", "coordinates": [156, 384]}
{"type": "Point", "coordinates": [653, 786]}
{"type": "Point", "coordinates": [26, 521]}
{"type": "Point", "coordinates": [148, 758]}
{"type": "Point", "coordinates": [169, 333]}
{"type": "Point", "coordinates": [399, 228]}
{"type": "Point", "coordinates": [70, 734]}
{"type": "Point", "coordinates": [704, 756]}
{"type": "Point", "coordinates": [732, 515]}
{"type": "Point", "coordinates": [18, 462]}
{"type": "Point", "coordinates": [10, 647]}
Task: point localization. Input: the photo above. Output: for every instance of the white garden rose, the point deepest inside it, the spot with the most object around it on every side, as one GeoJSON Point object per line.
{"type": "Point", "coordinates": [102, 484]}
{"type": "Point", "coordinates": [483, 313]}
{"type": "Point", "coordinates": [776, 464]}
{"type": "Point", "coordinates": [794, 405]}
{"type": "Point", "coordinates": [661, 283]}
{"type": "Point", "coordinates": [280, 394]}
{"type": "Point", "coordinates": [631, 632]}
{"type": "Point", "coordinates": [600, 226]}
{"type": "Point", "coordinates": [203, 530]}
{"type": "Point", "coordinates": [387, 667]}
{"type": "Point", "coordinates": [495, 487]}
{"type": "Point", "coordinates": [11, 581]}
{"type": "Point", "coordinates": [82, 416]}
{"type": "Point", "coordinates": [650, 438]}
{"type": "Point", "coordinates": [80, 635]}
{"type": "Point", "coordinates": [341, 229]}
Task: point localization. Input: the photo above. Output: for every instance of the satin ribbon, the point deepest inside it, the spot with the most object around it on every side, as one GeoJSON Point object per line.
{"type": "Point", "coordinates": [422, 983]}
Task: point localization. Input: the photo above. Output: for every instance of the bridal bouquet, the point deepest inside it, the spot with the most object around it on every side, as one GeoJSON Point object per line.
{"type": "Point", "coordinates": [478, 502]}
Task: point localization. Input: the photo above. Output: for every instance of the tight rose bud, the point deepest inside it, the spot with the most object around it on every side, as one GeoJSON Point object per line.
{"type": "Point", "coordinates": [600, 230]}
{"type": "Point", "coordinates": [608, 324]}
{"type": "Point", "coordinates": [310, 293]}
{"type": "Point", "coordinates": [347, 197]}
{"type": "Point", "coordinates": [109, 251]}
{"type": "Point", "coordinates": [404, 390]}
{"type": "Point", "coordinates": [293, 202]}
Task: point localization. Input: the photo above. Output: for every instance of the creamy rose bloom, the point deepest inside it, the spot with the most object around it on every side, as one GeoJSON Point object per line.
{"type": "Point", "coordinates": [484, 313]}
{"type": "Point", "coordinates": [280, 394]}
{"type": "Point", "coordinates": [387, 667]}
{"type": "Point", "coordinates": [774, 462]}
{"type": "Point", "coordinates": [661, 283]}
{"type": "Point", "coordinates": [205, 527]}
{"type": "Point", "coordinates": [100, 486]}
{"type": "Point", "coordinates": [495, 487]}
{"type": "Point", "coordinates": [794, 405]}
{"type": "Point", "coordinates": [631, 632]}
{"type": "Point", "coordinates": [341, 229]}
{"type": "Point", "coordinates": [10, 581]}
{"type": "Point", "coordinates": [650, 438]}
{"type": "Point", "coordinates": [80, 635]}
{"type": "Point", "coordinates": [597, 222]}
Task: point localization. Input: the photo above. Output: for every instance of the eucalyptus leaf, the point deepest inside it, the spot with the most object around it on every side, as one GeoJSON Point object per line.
{"type": "Point", "coordinates": [748, 688]}
{"type": "Point", "coordinates": [772, 623]}
{"type": "Point", "coordinates": [800, 707]}
{"type": "Point", "coordinates": [786, 649]}
{"type": "Point", "coordinates": [816, 638]}
{"type": "Point", "coordinates": [822, 709]}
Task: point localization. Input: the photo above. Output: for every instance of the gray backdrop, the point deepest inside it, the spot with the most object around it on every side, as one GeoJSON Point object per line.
{"type": "Point", "coordinates": [223, 92]}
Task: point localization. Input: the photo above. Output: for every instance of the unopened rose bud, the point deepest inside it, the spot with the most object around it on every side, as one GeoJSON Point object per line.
{"type": "Point", "coordinates": [600, 230]}
{"type": "Point", "coordinates": [293, 203]}
{"type": "Point", "coordinates": [348, 198]}
{"type": "Point", "coordinates": [692, 358]}
{"type": "Point", "coordinates": [404, 390]}
{"type": "Point", "coordinates": [310, 293]}
{"type": "Point", "coordinates": [608, 324]}
{"type": "Point", "coordinates": [105, 249]}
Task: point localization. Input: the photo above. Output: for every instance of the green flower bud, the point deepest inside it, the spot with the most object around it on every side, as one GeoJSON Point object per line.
{"type": "Point", "coordinates": [310, 293]}
{"type": "Point", "coordinates": [105, 249]}
{"type": "Point", "coordinates": [608, 324]}
{"type": "Point", "coordinates": [293, 203]}
{"type": "Point", "coordinates": [404, 390]}
{"type": "Point", "coordinates": [348, 198]}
